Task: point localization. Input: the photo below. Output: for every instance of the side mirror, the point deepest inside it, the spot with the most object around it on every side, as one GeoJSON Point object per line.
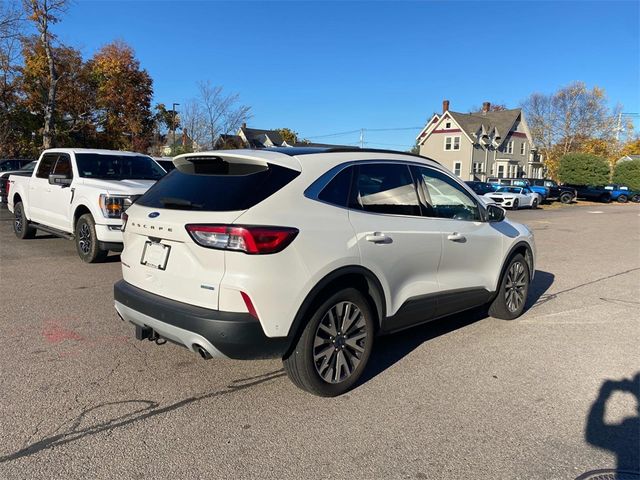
{"type": "Point", "coordinates": [63, 180]}
{"type": "Point", "coordinates": [495, 213]}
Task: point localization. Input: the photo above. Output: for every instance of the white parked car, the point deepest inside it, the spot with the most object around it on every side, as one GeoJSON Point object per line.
{"type": "Point", "coordinates": [80, 194]}
{"type": "Point", "coordinates": [514, 197]}
{"type": "Point", "coordinates": [308, 254]}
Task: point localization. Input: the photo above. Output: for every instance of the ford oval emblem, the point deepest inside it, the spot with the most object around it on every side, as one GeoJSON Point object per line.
{"type": "Point", "coordinates": [154, 214]}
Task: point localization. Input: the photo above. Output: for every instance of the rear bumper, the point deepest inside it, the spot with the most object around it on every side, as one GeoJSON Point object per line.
{"type": "Point", "coordinates": [221, 334]}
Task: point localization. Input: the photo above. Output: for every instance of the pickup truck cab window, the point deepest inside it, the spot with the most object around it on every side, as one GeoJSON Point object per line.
{"type": "Point", "coordinates": [63, 166]}
{"type": "Point", "coordinates": [46, 165]}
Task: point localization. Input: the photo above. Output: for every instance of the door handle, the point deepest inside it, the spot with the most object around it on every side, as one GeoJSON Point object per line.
{"type": "Point", "coordinates": [377, 237]}
{"type": "Point", "coordinates": [456, 237]}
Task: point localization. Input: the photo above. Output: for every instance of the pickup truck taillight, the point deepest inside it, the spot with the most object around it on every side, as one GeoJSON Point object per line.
{"type": "Point", "coordinates": [253, 240]}
{"type": "Point", "coordinates": [7, 186]}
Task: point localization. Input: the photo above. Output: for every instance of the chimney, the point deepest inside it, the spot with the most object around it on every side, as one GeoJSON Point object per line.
{"type": "Point", "coordinates": [244, 124]}
{"type": "Point", "coordinates": [445, 106]}
{"type": "Point", "coordinates": [486, 106]}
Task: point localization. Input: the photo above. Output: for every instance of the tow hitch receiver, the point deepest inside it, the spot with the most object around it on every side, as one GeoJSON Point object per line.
{"type": "Point", "coordinates": [143, 333]}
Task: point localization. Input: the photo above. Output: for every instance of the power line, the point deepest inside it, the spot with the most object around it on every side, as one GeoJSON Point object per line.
{"type": "Point", "coordinates": [361, 130]}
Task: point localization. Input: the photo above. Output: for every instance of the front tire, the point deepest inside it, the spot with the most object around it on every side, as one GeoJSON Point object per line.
{"type": "Point", "coordinates": [534, 205]}
{"type": "Point", "coordinates": [566, 198]}
{"type": "Point", "coordinates": [623, 199]}
{"type": "Point", "coordinates": [21, 226]}
{"type": "Point", "coordinates": [87, 240]}
{"type": "Point", "coordinates": [515, 205]}
{"type": "Point", "coordinates": [512, 292]}
{"type": "Point", "coordinates": [635, 199]}
{"type": "Point", "coordinates": [334, 347]}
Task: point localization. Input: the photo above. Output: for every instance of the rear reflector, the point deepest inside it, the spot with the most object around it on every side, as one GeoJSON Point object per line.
{"type": "Point", "coordinates": [249, 304]}
{"type": "Point", "coordinates": [254, 240]}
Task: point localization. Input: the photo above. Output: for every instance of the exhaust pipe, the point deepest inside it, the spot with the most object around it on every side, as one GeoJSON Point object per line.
{"type": "Point", "coordinates": [203, 353]}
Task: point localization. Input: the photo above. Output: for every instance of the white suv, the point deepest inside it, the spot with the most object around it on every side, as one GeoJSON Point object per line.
{"type": "Point", "coordinates": [307, 254]}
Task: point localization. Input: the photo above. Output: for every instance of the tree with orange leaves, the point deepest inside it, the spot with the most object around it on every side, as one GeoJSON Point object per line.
{"type": "Point", "coordinates": [123, 98]}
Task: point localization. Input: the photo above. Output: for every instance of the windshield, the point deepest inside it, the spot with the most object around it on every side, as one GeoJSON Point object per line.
{"type": "Point", "coordinates": [509, 190]}
{"type": "Point", "coordinates": [118, 167]}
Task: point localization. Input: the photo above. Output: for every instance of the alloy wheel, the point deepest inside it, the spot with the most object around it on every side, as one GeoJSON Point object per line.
{"type": "Point", "coordinates": [339, 342]}
{"type": "Point", "coordinates": [18, 219]}
{"type": "Point", "coordinates": [515, 286]}
{"type": "Point", "coordinates": [84, 239]}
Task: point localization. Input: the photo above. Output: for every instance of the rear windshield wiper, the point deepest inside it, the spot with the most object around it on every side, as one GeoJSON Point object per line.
{"type": "Point", "coordinates": [180, 203]}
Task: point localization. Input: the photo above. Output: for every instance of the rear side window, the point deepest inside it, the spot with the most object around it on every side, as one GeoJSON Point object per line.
{"type": "Point", "coordinates": [386, 188]}
{"type": "Point", "coordinates": [337, 190]}
{"type": "Point", "coordinates": [46, 165]}
{"type": "Point", "coordinates": [216, 187]}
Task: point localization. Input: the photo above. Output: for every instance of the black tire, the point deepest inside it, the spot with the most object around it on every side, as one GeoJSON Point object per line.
{"type": "Point", "coordinates": [535, 203]}
{"type": "Point", "coordinates": [511, 297]}
{"type": "Point", "coordinates": [87, 241]}
{"type": "Point", "coordinates": [516, 203]}
{"type": "Point", "coordinates": [635, 199]}
{"type": "Point", "coordinates": [21, 226]}
{"type": "Point", "coordinates": [566, 198]}
{"type": "Point", "coordinates": [623, 199]}
{"type": "Point", "coordinates": [605, 198]}
{"type": "Point", "coordinates": [345, 354]}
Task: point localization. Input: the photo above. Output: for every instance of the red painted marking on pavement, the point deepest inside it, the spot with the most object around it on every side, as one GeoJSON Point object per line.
{"type": "Point", "coordinates": [53, 332]}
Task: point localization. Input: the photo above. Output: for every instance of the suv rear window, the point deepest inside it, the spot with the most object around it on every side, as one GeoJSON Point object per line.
{"type": "Point", "coordinates": [217, 186]}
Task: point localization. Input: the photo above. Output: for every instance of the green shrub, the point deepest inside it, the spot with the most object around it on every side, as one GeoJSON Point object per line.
{"type": "Point", "coordinates": [628, 173]}
{"type": "Point", "coordinates": [583, 169]}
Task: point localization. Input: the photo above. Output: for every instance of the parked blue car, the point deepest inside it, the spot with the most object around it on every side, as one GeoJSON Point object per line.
{"type": "Point", "coordinates": [622, 193]}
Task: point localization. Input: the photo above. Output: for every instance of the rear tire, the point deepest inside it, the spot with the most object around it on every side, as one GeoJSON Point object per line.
{"type": "Point", "coordinates": [87, 240]}
{"type": "Point", "coordinates": [21, 226]}
{"type": "Point", "coordinates": [623, 199]}
{"type": "Point", "coordinates": [328, 361]}
{"type": "Point", "coordinates": [566, 198]}
{"type": "Point", "coordinates": [512, 291]}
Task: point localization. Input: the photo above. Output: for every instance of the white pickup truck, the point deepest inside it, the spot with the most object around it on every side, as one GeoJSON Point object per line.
{"type": "Point", "coordinates": [80, 194]}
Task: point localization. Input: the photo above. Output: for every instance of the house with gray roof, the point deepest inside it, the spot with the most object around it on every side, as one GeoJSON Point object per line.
{"type": "Point", "coordinates": [479, 145]}
{"type": "Point", "coordinates": [628, 158]}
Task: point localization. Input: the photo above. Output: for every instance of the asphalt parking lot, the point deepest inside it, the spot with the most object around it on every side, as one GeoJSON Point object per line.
{"type": "Point", "coordinates": [550, 395]}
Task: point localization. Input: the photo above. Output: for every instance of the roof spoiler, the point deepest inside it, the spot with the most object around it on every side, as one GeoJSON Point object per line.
{"type": "Point", "coordinates": [254, 157]}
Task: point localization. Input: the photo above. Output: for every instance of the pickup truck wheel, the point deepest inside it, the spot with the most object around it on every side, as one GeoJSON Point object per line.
{"type": "Point", "coordinates": [635, 199]}
{"type": "Point", "coordinates": [605, 198]}
{"type": "Point", "coordinates": [566, 198]}
{"type": "Point", "coordinates": [21, 226]}
{"type": "Point", "coordinates": [623, 199]}
{"type": "Point", "coordinates": [334, 347]}
{"type": "Point", "coordinates": [512, 291]}
{"type": "Point", "coordinates": [87, 240]}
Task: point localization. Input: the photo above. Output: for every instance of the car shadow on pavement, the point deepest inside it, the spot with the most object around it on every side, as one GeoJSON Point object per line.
{"type": "Point", "coordinates": [623, 438]}
{"type": "Point", "coordinates": [140, 410]}
{"type": "Point", "coordinates": [392, 348]}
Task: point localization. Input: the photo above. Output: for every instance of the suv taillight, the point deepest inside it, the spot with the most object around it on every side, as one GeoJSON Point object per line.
{"type": "Point", "coordinates": [254, 240]}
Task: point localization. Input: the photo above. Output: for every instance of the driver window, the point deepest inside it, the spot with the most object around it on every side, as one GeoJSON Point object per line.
{"type": "Point", "coordinates": [63, 166]}
{"type": "Point", "coordinates": [446, 198]}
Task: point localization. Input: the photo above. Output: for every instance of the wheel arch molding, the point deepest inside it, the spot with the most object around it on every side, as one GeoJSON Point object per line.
{"type": "Point", "coordinates": [525, 249]}
{"type": "Point", "coordinates": [354, 276]}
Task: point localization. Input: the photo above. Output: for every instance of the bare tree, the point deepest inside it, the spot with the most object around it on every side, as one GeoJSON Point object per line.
{"type": "Point", "coordinates": [559, 121]}
{"type": "Point", "coordinates": [222, 113]}
{"type": "Point", "coordinates": [194, 121]}
{"type": "Point", "coordinates": [43, 13]}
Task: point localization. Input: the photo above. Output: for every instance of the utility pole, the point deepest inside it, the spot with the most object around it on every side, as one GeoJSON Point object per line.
{"type": "Point", "coordinates": [173, 123]}
{"type": "Point", "coordinates": [362, 138]}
